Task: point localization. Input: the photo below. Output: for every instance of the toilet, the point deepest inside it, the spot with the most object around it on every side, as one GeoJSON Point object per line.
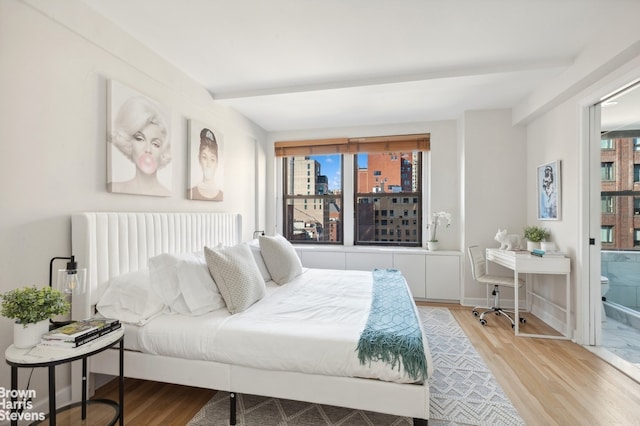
{"type": "Point", "coordinates": [604, 288]}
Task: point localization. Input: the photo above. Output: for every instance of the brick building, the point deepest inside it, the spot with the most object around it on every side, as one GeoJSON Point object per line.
{"type": "Point", "coordinates": [620, 193]}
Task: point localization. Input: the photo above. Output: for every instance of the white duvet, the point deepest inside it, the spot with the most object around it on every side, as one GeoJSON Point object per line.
{"type": "Point", "coordinates": [310, 325]}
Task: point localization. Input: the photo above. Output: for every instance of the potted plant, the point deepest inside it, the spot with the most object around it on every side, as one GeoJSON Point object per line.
{"type": "Point", "coordinates": [437, 219]}
{"type": "Point", "coordinates": [31, 308]}
{"type": "Point", "coordinates": [534, 235]}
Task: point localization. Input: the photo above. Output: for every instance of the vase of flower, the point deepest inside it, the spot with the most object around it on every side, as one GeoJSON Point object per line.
{"type": "Point", "coordinates": [28, 335]}
{"type": "Point", "coordinates": [437, 219]}
{"type": "Point", "coordinates": [32, 308]}
{"type": "Point", "coordinates": [534, 236]}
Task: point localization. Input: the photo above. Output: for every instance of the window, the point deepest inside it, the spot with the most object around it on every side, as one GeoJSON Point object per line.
{"type": "Point", "coordinates": [636, 144]}
{"type": "Point", "coordinates": [323, 222]}
{"type": "Point", "coordinates": [636, 237]}
{"type": "Point", "coordinates": [396, 196]}
{"type": "Point", "coordinates": [636, 172]}
{"type": "Point", "coordinates": [606, 234]}
{"type": "Point", "coordinates": [606, 170]}
{"type": "Point", "coordinates": [386, 185]}
{"type": "Point", "coordinates": [636, 206]}
{"type": "Point", "coordinates": [607, 204]}
{"type": "Point", "coordinates": [606, 144]}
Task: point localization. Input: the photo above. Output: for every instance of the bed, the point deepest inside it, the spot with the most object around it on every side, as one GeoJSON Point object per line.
{"type": "Point", "coordinates": [113, 245]}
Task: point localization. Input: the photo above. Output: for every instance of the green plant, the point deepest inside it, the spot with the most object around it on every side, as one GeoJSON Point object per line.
{"type": "Point", "coordinates": [536, 233]}
{"type": "Point", "coordinates": [29, 305]}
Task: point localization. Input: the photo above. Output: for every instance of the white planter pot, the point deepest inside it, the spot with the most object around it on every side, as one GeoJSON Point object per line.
{"type": "Point", "coordinates": [433, 245]}
{"type": "Point", "coordinates": [29, 336]}
{"type": "Point", "coordinates": [531, 245]}
{"type": "Point", "coordinates": [548, 246]}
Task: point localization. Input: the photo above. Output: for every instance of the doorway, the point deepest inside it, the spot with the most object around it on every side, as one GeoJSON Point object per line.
{"type": "Point", "coordinates": [615, 289]}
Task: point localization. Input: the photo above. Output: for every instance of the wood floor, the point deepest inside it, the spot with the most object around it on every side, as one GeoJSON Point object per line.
{"type": "Point", "coordinates": [550, 382]}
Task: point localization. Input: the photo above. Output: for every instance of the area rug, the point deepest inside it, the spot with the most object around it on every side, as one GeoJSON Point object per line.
{"type": "Point", "coordinates": [463, 392]}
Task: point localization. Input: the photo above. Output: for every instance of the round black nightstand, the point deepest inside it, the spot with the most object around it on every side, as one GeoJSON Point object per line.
{"type": "Point", "coordinates": [50, 356]}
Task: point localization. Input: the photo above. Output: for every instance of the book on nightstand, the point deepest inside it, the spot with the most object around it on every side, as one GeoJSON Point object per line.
{"type": "Point", "coordinates": [79, 333]}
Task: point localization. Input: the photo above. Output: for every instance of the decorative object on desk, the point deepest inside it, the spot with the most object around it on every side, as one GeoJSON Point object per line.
{"type": "Point", "coordinates": [547, 246]}
{"type": "Point", "coordinates": [534, 235]}
{"type": "Point", "coordinates": [438, 218]}
{"type": "Point", "coordinates": [32, 308]}
{"type": "Point", "coordinates": [70, 281]}
{"type": "Point", "coordinates": [548, 180]}
{"type": "Point", "coordinates": [507, 241]}
{"type": "Point", "coordinates": [543, 253]}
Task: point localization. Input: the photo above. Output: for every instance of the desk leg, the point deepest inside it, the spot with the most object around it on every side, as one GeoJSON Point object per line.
{"type": "Point", "coordinates": [569, 330]}
{"type": "Point", "coordinates": [52, 395]}
{"type": "Point", "coordinates": [121, 385]}
{"type": "Point", "coordinates": [14, 387]}
{"type": "Point", "coordinates": [516, 302]}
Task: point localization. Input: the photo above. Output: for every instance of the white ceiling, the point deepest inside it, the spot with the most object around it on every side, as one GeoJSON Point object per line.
{"type": "Point", "coordinates": [299, 64]}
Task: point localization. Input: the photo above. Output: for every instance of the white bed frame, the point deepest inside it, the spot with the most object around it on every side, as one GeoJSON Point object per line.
{"type": "Point", "coordinates": [111, 244]}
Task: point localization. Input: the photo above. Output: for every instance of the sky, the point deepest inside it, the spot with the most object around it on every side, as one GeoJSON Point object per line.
{"type": "Point", "coordinates": [330, 166]}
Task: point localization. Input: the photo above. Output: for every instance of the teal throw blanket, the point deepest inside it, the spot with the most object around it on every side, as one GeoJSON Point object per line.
{"type": "Point", "coordinates": [392, 333]}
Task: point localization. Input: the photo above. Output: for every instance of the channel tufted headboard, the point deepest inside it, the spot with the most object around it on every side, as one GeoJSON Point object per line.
{"type": "Point", "coordinates": [110, 244]}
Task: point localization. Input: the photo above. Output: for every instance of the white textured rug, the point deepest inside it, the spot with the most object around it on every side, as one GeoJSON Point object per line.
{"type": "Point", "coordinates": [463, 392]}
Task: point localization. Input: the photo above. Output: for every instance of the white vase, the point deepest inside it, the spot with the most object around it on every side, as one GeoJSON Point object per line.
{"type": "Point", "coordinates": [532, 245]}
{"type": "Point", "coordinates": [433, 245]}
{"type": "Point", "coordinates": [547, 246]}
{"type": "Point", "coordinates": [29, 336]}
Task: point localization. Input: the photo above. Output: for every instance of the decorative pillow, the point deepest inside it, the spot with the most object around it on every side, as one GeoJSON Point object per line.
{"type": "Point", "coordinates": [254, 245]}
{"type": "Point", "coordinates": [237, 276]}
{"type": "Point", "coordinates": [130, 299]}
{"type": "Point", "coordinates": [183, 282]}
{"type": "Point", "coordinates": [281, 258]}
{"type": "Point", "coordinates": [200, 293]}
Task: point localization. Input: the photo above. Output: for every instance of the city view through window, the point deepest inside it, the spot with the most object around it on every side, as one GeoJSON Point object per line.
{"type": "Point", "coordinates": [620, 196]}
{"type": "Point", "coordinates": [387, 198]}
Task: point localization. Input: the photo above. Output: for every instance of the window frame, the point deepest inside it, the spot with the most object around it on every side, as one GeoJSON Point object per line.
{"type": "Point", "coordinates": [324, 198]}
{"type": "Point", "coordinates": [347, 147]}
{"type": "Point", "coordinates": [388, 215]}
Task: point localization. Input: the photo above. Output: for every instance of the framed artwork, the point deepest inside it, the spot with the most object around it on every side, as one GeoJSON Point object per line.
{"type": "Point", "coordinates": [206, 177]}
{"type": "Point", "coordinates": [549, 185]}
{"type": "Point", "coordinates": [139, 143]}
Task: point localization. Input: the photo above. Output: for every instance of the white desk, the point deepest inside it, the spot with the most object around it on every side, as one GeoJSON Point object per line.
{"type": "Point", "coordinates": [524, 263]}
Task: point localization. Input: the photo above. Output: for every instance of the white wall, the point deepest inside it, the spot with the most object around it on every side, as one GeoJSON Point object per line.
{"type": "Point", "coordinates": [55, 60]}
{"type": "Point", "coordinates": [493, 189]}
{"type": "Point", "coordinates": [557, 128]}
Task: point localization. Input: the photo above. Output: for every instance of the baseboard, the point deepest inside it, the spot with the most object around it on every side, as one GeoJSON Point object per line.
{"type": "Point", "coordinates": [549, 319]}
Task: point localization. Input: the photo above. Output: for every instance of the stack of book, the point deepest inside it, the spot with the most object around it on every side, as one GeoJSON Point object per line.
{"type": "Point", "coordinates": [542, 253]}
{"type": "Point", "coordinates": [79, 333]}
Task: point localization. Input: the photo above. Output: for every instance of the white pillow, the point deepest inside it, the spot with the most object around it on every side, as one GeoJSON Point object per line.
{"type": "Point", "coordinates": [237, 276]}
{"type": "Point", "coordinates": [130, 299]}
{"type": "Point", "coordinates": [164, 281]}
{"type": "Point", "coordinates": [254, 245]}
{"type": "Point", "coordinates": [281, 258]}
{"type": "Point", "coordinates": [183, 282]}
{"type": "Point", "coordinates": [199, 291]}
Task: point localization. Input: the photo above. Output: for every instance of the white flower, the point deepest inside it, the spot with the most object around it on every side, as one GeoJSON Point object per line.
{"type": "Point", "coordinates": [438, 218]}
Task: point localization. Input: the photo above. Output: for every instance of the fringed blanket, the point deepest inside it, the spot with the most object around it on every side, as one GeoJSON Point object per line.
{"type": "Point", "coordinates": [392, 333]}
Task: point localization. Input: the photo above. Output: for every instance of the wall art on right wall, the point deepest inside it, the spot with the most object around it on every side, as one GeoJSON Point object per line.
{"type": "Point", "coordinates": [549, 184]}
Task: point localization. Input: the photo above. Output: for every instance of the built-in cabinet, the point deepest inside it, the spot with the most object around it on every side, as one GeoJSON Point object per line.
{"type": "Point", "coordinates": [430, 275]}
